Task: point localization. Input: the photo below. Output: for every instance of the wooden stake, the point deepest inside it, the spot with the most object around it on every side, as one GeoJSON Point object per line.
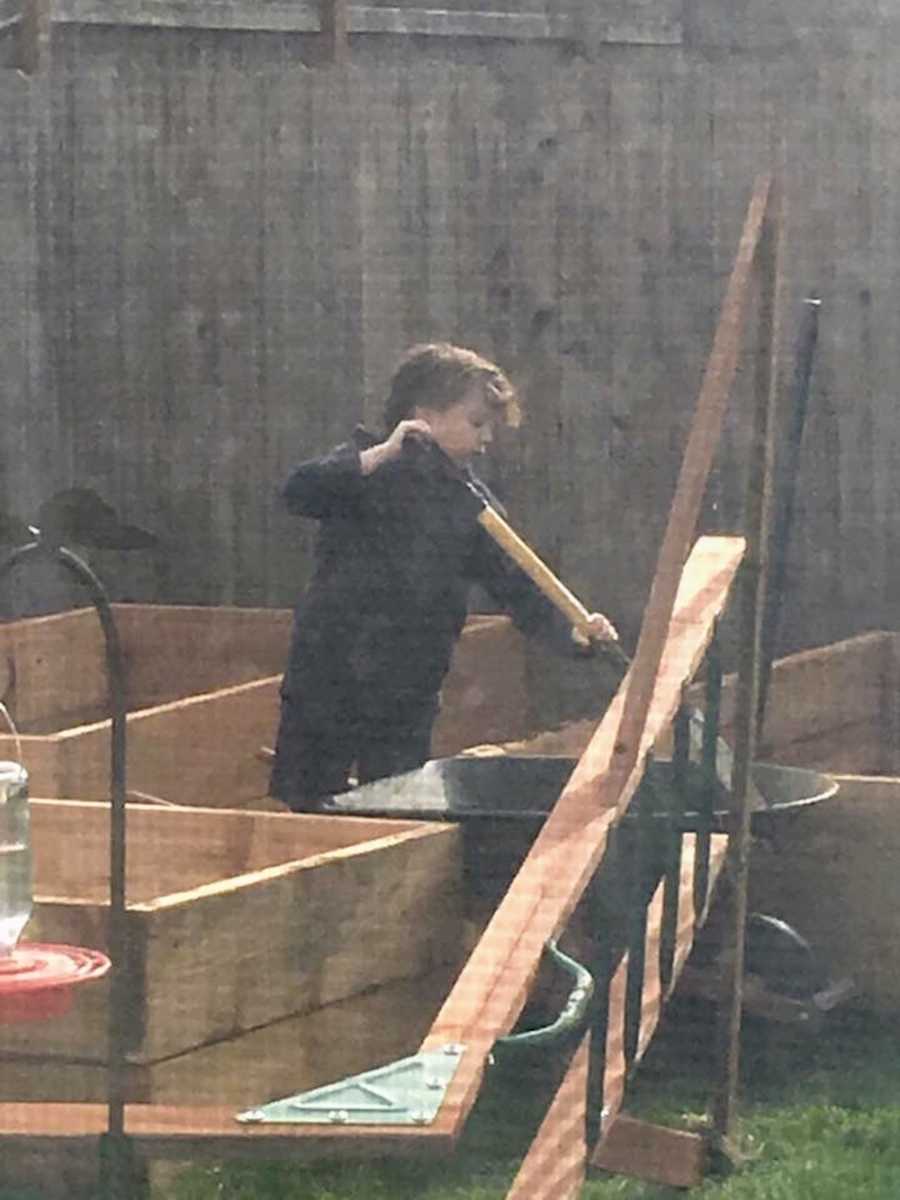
{"type": "Point", "coordinates": [753, 588]}
{"type": "Point", "coordinates": [33, 35]}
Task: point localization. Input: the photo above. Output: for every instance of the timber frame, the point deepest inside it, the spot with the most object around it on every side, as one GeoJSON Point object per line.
{"type": "Point", "coordinates": [689, 592]}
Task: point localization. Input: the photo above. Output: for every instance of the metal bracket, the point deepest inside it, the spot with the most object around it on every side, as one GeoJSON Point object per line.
{"type": "Point", "coordinates": [407, 1092]}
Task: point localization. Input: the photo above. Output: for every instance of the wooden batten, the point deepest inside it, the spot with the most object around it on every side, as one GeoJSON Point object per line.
{"type": "Point", "coordinates": [238, 919]}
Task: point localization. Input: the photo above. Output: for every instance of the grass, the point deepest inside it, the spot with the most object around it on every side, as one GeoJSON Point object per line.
{"type": "Point", "coordinates": [820, 1118]}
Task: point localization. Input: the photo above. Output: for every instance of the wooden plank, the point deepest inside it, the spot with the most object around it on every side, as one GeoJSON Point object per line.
{"type": "Point", "coordinates": [333, 1042]}
{"type": "Point", "coordinates": [692, 480]}
{"type": "Point", "coordinates": [54, 669]}
{"type": "Point", "coordinates": [492, 987]}
{"type": "Point", "coordinates": [616, 1066]}
{"type": "Point", "coordinates": [834, 878]}
{"type": "Point", "coordinates": [639, 23]}
{"type": "Point", "coordinates": [335, 25]}
{"type": "Point", "coordinates": [860, 749]}
{"type": "Point", "coordinates": [555, 1166]}
{"type": "Point", "coordinates": [176, 650]}
{"type": "Point", "coordinates": [615, 1063]}
{"type": "Point", "coordinates": [651, 988]}
{"type": "Point", "coordinates": [752, 592]}
{"type": "Point", "coordinates": [336, 921]}
{"type": "Point", "coordinates": [202, 749]}
{"type": "Point", "coordinates": [815, 691]}
{"type": "Point", "coordinates": [672, 1157]}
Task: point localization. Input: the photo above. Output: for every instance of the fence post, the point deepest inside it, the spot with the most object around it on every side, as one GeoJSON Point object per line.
{"type": "Point", "coordinates": [334, 23]}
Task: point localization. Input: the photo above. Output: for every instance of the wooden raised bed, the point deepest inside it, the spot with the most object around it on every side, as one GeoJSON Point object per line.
{"type": "Point", "coordinates": [203, 698]}
{"type": "Point", "coordinates": [237, 919]}
{"type": "Point", "coordinates": [835, 708]}
{"type": "Point", "coordinates": [832, 869]}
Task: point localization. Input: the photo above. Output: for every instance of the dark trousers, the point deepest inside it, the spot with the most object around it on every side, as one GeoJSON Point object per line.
{"type": "Point", "coordinates": [314, 756]}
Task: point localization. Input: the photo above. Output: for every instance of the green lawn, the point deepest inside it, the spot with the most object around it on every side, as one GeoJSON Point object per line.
{"type": "Point", "coordinates": [821, 1121]}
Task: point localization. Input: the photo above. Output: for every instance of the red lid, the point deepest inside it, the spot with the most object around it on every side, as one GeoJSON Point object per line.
{"type": "Point", "coordinates": [36, 981]}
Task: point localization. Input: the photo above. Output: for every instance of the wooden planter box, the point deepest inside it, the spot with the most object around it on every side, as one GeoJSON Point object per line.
{"type": "Point", "coordinates": [203, 699]}
{"type": "Point", "coordinates": [237, 919]}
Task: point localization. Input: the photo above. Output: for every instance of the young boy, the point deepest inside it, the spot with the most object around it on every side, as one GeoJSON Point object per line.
{"type": "Point", "coordinates": [398, 547]}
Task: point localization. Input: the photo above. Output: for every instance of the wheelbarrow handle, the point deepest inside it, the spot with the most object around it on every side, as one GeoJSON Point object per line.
{"type": "Point", "coordinates": [574, 1013]}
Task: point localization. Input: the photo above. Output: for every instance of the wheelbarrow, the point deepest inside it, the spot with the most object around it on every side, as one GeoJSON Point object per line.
{"type": "Point", "coordinates": [501, 802]}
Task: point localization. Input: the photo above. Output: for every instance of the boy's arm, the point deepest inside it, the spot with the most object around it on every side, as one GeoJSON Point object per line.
{"type": "Point", "coordinates": [331, 486]}
{"type": "Point", "coordinates": [531, 611]}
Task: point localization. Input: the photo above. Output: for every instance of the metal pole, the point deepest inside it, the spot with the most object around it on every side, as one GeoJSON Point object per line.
{"type": "Point", "coordinates": [117, 1175]}
{"type": "Point", "coordinates": [785, 490]}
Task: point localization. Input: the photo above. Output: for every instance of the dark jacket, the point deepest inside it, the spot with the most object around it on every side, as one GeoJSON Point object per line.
{"type": "Point", "coordinates": [396, 554]}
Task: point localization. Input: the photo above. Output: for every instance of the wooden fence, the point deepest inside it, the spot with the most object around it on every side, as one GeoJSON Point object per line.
{"type": "Point", "coordinates": [214, 247]}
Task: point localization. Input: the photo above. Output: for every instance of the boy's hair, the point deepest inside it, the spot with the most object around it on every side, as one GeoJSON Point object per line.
{"type": "Point", "coordinates": [437, 375]}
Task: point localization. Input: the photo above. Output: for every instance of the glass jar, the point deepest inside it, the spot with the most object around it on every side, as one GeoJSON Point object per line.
{"type": "Point", "coordinates": [15, 855]}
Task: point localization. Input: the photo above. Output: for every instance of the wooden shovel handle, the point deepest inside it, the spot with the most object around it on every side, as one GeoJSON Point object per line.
{"type": "Point", "coordinates": [553, 588]}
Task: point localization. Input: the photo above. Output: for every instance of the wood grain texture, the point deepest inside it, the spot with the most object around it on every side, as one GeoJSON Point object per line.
{"type": "Point", "coordinates": [556, 1163]}
{"type": "Point", "coordinates": [628, 21]}
{"type": "Point", "coordinates": [204, 697]}
{"type": "Point", "coordinates": [671, 1157]}
{"type": "Point", "coordinates": [238, 919]}
{"type": "Point", "coordinates": [380, 1025]}
{"type": "Point", "coordinates": [837, 884]}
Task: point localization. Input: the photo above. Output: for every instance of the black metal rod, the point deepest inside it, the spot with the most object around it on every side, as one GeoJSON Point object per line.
{"type": "Point", "coordinates": [636, 920]}
{"type": "Point", "coordinates": [677, 805]}
{"type": "Point", "coordinates": [115, 1153]}
{"type": "Point", "coordinates": [709, 793]}
{"type": "Point", "coordinates": [785, 490]}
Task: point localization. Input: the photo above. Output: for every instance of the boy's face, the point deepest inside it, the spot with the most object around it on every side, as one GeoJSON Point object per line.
{"type": "Point", "coordinates": [464, 429]}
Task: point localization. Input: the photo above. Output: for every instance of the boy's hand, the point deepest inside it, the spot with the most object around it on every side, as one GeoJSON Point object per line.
{"type": "Point", "coordinates": [600, 629]}
{"type": "Point", "coordinates": [392, 447]}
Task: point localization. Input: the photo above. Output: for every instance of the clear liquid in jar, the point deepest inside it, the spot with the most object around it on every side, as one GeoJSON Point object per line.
{"type": "Point", "coordinates": [15, 856]}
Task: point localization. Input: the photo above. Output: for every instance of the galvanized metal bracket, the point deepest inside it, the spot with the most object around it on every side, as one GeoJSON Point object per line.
{"type": "Point", "coordinates": [407, 1092]}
